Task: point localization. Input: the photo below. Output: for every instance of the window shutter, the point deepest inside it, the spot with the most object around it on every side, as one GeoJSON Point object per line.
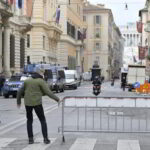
{"type": "Point", "coordinates": [100, 20]}
{"type": "Point", "coordinates": [3, 48]}
{"type": "Point", "coordinates": [12, 51]}
{"type": "Point", "coordinates": [28, 40]}
{"type": "Point", "coordinates": [94, 20]}
{"type": "Point", "coordinates": [100, 46]}
{"type": "Point", "coordinates": [100, 32]}
{"type": "Point", "coordinates": [22, 52]}
{"type": "Point", "coordinates": [94, 46]}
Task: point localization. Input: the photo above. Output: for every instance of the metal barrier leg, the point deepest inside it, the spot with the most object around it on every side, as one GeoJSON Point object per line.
{"type": "Point", "coordinates": [146, 121]}
{"type": "Point", "coordinates": [63, 137]}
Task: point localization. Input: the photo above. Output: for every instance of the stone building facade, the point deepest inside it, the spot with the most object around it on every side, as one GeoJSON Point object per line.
{"type": "Point", "coordinates": [43, 38]}
{"type": "Point", "coordinates": [100, 39]}
{"type": "Point", "coordinates": [118, 51]}
{"type": "Point", "coordinates": [132, 41]}
{"type": "Point", "coordinates": [14, 23]}
{"type": "Point", "coordinates": [144, 15]}
{"type": "Point", "coordinates": [70, 47]}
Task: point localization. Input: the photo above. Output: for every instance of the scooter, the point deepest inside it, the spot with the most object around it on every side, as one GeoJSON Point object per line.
{"type": "Point", "coordinates": [96, 89]}
{"type": "Point", "coordinates": [112, 82]}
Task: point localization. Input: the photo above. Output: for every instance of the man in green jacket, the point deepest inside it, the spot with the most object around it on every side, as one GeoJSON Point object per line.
{"type": "Point", "coordinates": [33, 90]}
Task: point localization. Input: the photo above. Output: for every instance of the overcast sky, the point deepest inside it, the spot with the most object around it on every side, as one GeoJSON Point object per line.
{"type": "Point", "coordinates": [122, 16]}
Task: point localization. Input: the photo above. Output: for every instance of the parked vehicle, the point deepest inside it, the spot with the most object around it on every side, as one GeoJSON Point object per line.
{"type": "Point", "coordinates": [13, 84]}
{"type": "Point", "coordinates": [54, 75]}
{"type": "Point", "coordinates": [72, 79]}
{"type": "Point", "coordinates": [136, 73]}
{"type": "Point", "coordinates": [57, 82]}
{"type": "Point", "coordinates": [87, 76]}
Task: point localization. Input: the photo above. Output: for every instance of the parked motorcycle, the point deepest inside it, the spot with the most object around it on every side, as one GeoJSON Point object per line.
{"type": "Point", "coordinates": [96, 89]}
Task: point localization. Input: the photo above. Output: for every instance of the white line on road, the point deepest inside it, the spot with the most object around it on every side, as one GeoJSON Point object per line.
{"type": "Point", "coordinates": [5, 141]}
{"type": "Point", "coordinates": [39, 145]}
{"type": "Point", "coordinates": [83, 144]}
{"type": "Point", "coordinates": [3, 105]}
{"type": "Point", "coordinates": [128, 145]}
{"type": "Point", "coordinates": [11, 126]}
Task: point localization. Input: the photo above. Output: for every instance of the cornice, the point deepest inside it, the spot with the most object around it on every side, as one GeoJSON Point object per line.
{"type": "Point", "coordinates": [46, 26]}
{"type": "Point", "coordinates": [68, 39]}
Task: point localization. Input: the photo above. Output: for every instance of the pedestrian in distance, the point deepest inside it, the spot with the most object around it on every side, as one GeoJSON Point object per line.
{"type": "Point", "coordinates": [112, 81]}
{"type": "Point", "coordinates": [123, 83]}
{"type": "Point", "coordinates": [33, 90]}
{"type": "Point", "coordinates": [2, 80]}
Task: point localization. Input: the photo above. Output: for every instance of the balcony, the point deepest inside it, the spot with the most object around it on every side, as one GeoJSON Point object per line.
{"type": "Point", "coordinates": [25, 23]}
{"type": "Point", "coordinates": [54, 31]}
{"type": "Point", "coordinates": [5, 9]}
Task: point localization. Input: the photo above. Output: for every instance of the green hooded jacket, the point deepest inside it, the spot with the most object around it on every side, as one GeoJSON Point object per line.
{"type": "Point", "coordinates": [33, 90]}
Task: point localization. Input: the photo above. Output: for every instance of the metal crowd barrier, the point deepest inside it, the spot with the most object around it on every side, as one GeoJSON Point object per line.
{"type": "Point", "coordinates": [105, 114]}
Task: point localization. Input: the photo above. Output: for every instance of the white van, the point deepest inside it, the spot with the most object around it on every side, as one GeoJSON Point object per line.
{"type": "Point", "coordinates": [72, 79]}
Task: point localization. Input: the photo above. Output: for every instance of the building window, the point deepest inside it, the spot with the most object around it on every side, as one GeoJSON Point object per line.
{"type": "Point", "coordinates": [22, 52]}
{"type": "Point", "coordinates": [44, 59]}
{"type": "Point", "coordinates": [149, 51]}
{"type": "Point", "coordinates": [84, 18]}
{"type": "Point", "coordinates": [97, 58]}
{"type": "Point", "coordinates": [97, 46]}
{"type": "Point", "coordinates": [28, 40]}
{"type": "Point", "coordinates": [71, 30]}
{"type": "Point", "coordinates": [97, 33]}
{"type": "Point", "coordinates": [95, 62]}
{"type": "Point", "coordinates": [97, 19]}
{"type": "Point", "coordinates": [78, 9]}
{"type": "Point", "coordinates": [43, 42]}
{"type": "Point", "coordinates": [28, 60]}
{"type": "Point", "coordinates": [12, 51]}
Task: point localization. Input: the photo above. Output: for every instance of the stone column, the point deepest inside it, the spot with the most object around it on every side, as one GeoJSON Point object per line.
{"type": "Point", "coordinates": [7, 51]}
{"type": "Point", "coordinates": [0, 48]}
{"type": "Point", "coordinates": [78, 62]}
{"type": "Point", "coordinates": [78, 56]}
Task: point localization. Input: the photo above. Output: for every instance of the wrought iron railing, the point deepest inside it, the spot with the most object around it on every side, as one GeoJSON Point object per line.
{"type": "Point", "coordinates": [4, 4]}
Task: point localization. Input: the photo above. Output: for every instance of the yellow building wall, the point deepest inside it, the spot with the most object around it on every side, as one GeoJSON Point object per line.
{"type": "Point", "coordinates": [75, 19]}
{"type": "Point", "coordinates": [71, 50]}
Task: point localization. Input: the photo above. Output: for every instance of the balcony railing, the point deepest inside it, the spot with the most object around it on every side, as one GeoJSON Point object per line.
{"type": "Point", "coordinates": [5, 9]}
{"type": "Point", "coordinates": [4, 4]}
